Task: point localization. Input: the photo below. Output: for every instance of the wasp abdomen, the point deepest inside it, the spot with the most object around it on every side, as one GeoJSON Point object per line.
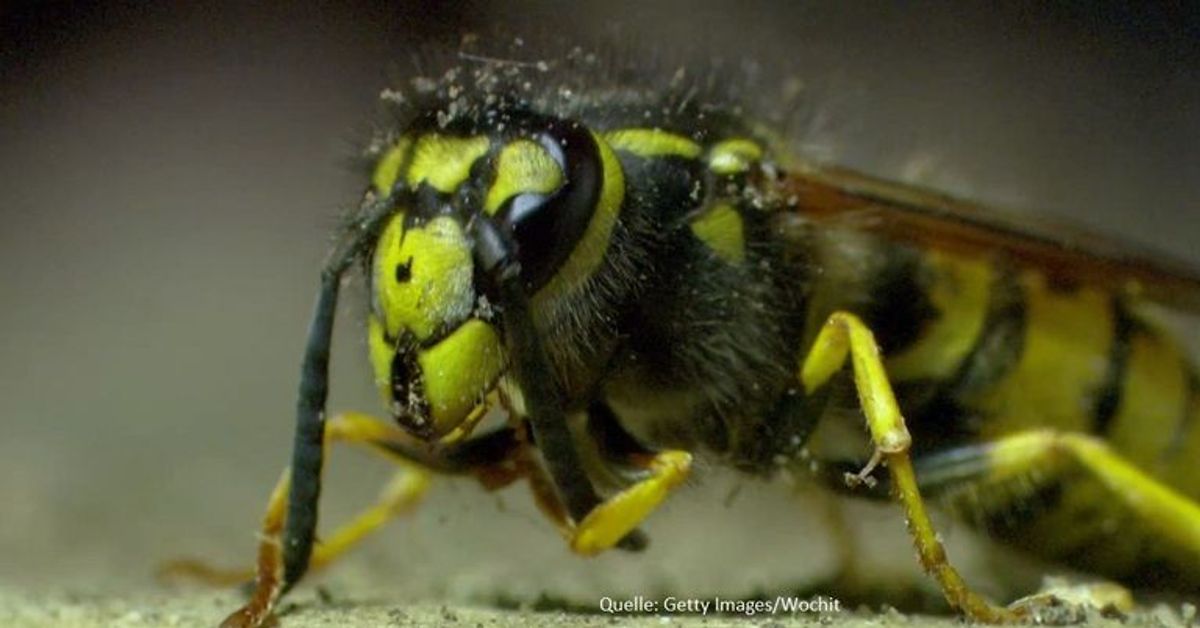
{"type": "Point", "coordinates": [1008, 373]}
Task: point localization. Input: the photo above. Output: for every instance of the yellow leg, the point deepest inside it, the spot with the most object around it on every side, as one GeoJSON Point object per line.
{"type": "Point", "coordinates": [609, 522]}
{"type": "Point", "coordinates": [1172, 516]}
{"type": "Point", "coordinates": [268, 551]}
{"type": "Point", "coordinates": [844, 335]}
{"type": "Point", "coordinates": [269, 581]}
{"type": "Point", "coordinates": [400, 495]}
{"type": "Point", "coordinates": [1000, 473]}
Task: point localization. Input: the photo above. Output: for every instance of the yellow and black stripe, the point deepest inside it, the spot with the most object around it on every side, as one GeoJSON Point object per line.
{"type": "Point", "coordinates": [1006, 353]}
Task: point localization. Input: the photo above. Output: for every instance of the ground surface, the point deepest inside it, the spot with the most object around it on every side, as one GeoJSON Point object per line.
{"type": "Point", "coordinates": [185, 610]}
{"type": "Point", "coordinates": [473, 559]}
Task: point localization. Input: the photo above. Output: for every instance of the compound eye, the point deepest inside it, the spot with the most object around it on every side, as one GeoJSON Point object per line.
{"type": "Point", "coordinates": [548, 225]}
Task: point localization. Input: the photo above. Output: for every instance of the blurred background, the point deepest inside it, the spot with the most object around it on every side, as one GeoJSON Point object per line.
{"type": "Point", "coordinates": [169, 175]}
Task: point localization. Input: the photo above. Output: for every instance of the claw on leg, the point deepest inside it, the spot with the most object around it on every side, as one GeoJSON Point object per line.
{"type": "Point", "coordinates": [863, 477]}
{"type": "Point", "coordinates": [845, 338]}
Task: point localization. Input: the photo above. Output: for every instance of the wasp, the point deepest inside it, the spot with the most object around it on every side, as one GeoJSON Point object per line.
{"type": "Point", "coordinates": [636, 278]}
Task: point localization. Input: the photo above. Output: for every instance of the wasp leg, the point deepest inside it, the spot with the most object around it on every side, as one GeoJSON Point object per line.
{"type": "Point", "coordinates": [1172, 515]}
{"type": "Point", "coordinates": [400, 495]}
{"type": "Point", "coordinates": [990, 481]}
{"type": "Point", "coordinates": [269, 583]}
{"type": "Point", "coordinates": [487, 457]}
{"type": "Point", "coordinates": [842, 336]}
{"type": "Point", "coordinates": [404, 490]}
{"type": "Point", "coordinates": [620, 514]}
{"type": "Point", "coordinates": [272, 524]}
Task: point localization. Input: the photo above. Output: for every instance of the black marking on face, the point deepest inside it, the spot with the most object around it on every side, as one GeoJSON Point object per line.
{"type": "Point", "coordinates": [410, 408]}
{"type": "Point", "coordinates": [404, 271]}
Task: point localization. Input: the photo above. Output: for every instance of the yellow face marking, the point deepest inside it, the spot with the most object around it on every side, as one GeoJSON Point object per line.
{"type": "Point", "coordinates": [458, 371]}
{"type": "Point", "coordinates": [387, 169]}
{"type": "Point", "coordinates": [721, 229]}
{"type": "Point", "coordinates": [588, 254]}
{"type": "Point", "coordinates": [1063, 362]}
{"type": "Point", "coordinates": [652, 143]}
{"type": "Point", "coordinates": [434, 286]}
{"type": "Point", "coordinates": [522, 166]}
{"type": "Point", "coordinates": [455, 373]}
{"type": "Point", "coordinates": [733, 156]}
{"type": "Point", "coordinates": [444, 161]}
{"type": "Point", "coordinates": [961, 292]}
{"type": "Point", "coordinates": [380, 354]}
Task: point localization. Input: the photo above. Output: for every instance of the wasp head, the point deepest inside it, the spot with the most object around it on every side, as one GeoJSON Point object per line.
{"type": "Point", "coordinates": [435, 344]}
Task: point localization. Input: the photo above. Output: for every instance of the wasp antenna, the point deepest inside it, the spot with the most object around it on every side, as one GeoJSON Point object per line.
{"type": "Point", "coordinates": [307, 448]}
{"type": "Point", "coordinates": [308, 444]}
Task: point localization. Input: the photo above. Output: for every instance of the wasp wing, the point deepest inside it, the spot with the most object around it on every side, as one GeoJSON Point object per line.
{"type": "Point", "coordinates": [830, 195]}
